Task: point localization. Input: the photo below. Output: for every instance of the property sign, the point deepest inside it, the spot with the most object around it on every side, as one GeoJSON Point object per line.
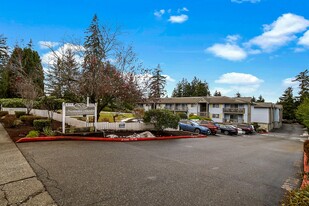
{"type": "Point", "coordinates": [80, 109]}
{"type": "Point", "coordinates": [70, 109]}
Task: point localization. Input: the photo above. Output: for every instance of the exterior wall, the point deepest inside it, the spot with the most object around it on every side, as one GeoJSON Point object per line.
{"type": "Point", "coordinates": [245, 116]}
{"type": "Point", "coordinates": [260, 115]}
{"type": "Point", "coordinates": [193, 108]}
{"type": "Point", "coordinates": [219, 111]}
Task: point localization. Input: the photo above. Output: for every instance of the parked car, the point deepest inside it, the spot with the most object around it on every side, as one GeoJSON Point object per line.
{"type": "Point", "coordinates": [192, 126]}
{"type": "Point", "coordinates": [228, 129]}
{"type": "Point", "coordinates": [248, 129]}
{"type": "Point", "coordinates": [213, 128]}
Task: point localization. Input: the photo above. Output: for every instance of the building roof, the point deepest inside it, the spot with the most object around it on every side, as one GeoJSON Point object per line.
{"type": "Point", "coordinates": [267, 105]}
{"type": "Point", "coordinates": [208, 99]}
{"type": "Point", "coordinates": [228, 100]}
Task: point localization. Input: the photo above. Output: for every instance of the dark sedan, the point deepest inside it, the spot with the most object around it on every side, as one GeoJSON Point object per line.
{"type": "Point", "coordinates": [248, 129]}
{"type": "Point", "coordinates": [227, 129]}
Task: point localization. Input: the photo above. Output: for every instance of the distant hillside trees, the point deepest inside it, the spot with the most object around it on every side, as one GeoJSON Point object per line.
{"type": "Point", "coordinates": [195, 88]}
{"type": "Point", "coordinates": [217, 93]}
{"type": "Point", "coordinates": [288, 102]}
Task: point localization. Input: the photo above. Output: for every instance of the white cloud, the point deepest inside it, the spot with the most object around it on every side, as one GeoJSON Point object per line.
{"type": "Point", "coordinates": [178, 19]}
{"type": "Point", "coordinates": [304, 40]}
{"type": "Point", "coordinates": [288, 82]}
{"type": "Point", "coordinates": [47, 44]}
{"type": "Point", "coordinates": [239, 79]}
{"type": "Point", "coordinates": [228, 51]}
{"type": "Point", "coordinates": [280, 32]}
{"type": "Point", "coordinates": [159, 13]}
{"type": "Point", "coordinates": [233, 38]}
{"type": "Point", "coordinates": [298, 50]}
{"type": "Point", "coordinates": [242, 1]}
{"type": "Point", "coordinates": [183, 9]}
{"type": "Point", "coordinates": [169, 78]}
{"type": "Point", "coordinates": [50, 57]}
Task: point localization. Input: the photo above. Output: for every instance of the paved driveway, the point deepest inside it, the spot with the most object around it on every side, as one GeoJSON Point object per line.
{"type": "Point", "coordinates": [219, 170]}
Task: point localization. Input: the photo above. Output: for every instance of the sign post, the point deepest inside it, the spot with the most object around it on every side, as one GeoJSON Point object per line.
{"type": "Point", "coordinates": [70, 109]}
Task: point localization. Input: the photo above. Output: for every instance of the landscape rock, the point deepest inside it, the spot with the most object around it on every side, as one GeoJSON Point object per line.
{"type": "Point", "coordinates": [112, 136]}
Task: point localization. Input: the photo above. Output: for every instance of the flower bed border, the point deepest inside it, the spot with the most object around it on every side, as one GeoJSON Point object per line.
{"type": "Point", "coordinates": [56, 138]}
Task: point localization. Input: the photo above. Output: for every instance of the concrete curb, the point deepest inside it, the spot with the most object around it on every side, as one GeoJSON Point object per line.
{"type": "Point", "coordinates": [74, 138]}
{"type": "Point", "coordinates": [306, 171]}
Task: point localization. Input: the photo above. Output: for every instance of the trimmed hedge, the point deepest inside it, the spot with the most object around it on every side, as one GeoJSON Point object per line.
{"type": "Point", "coordinates": [39, 124]}
{"type": "Point", "coordinates": [19, 114]}
{"type": "Point", "coordinates": [9, 120]}
{"type": "Point", "coordinates": [28, 119]}
{"type": "Point", "coordinates": [12, 103]}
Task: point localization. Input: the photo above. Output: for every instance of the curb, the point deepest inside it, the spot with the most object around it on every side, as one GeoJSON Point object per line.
{"type": "Point", "coordinates": [57, 138]}
{"type": "Point", "coordinates": [306, 171]}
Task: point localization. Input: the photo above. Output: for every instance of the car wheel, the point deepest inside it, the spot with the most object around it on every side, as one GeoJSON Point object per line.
{"type": "Point", "coordinates": [180, 128]}
{"type": "Point", "coordinates": [198, 131]}
{"type": "Point", "coordinates": [208, 132]}
{"type": "Point", "coordinates": [226, 132]}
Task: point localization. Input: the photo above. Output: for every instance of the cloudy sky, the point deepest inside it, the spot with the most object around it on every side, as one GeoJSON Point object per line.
{"type": "Point", "coordinates": [249, 46]}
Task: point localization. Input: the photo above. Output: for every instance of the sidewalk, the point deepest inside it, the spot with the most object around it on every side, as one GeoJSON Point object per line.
{"type": "Point", "coordinates": [18, 183]}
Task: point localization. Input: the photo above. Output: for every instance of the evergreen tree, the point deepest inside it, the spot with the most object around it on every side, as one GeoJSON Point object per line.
{"type": "Point", "coordinates": [303, 79]}
{"type": "Point", "coordinates": [25, 64]}
{"type": "Point", "coordinates": [194, 89]}
{"type": "Point", "coordinates": [253, 99]}
{"type": "Point", "coordinates": [4, 57]}
{"type": "Point", "coordinates": [288, 102]}
{"type": "Point", "coordinates": [238, 94]}
{"type": "Point", "coordinates": [260, 99]}
{"type": "Point", "coordinates": [63, 76]}
{"type": "Point", "coordinates": [157, 84]}
{"type": "Point", "coordinates": [217, 93]}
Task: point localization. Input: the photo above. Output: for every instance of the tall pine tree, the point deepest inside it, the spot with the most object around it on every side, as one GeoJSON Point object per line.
{"type": "Point", "coordinates": [4, 75]}
{"type": "Point", "coordinates": [288, 102]}
{"type": "Point", "coordinates": [157, 85]}
{"type": "Point", "coordinates": [303, 79]}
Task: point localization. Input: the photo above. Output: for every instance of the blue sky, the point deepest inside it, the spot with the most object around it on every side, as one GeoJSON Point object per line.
{"type": "Point", "coordinates": [249, 46]}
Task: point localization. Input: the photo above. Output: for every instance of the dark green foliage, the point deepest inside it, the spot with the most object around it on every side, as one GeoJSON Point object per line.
{"type": "Point", "coordinates": [217, 93]}
{"type": "Point", "coordinates": [256, 126]}
{"type": "Point", "coordinates": [4, 56]}
{"type": "Point", "coordinates": [48, 131]}
{"type": "Point", "coordinates": [39, 124]}
{"type": "Point", "coordinates": [302, 113]}
{"type": "Point", "coordinates": [260, 99]}
{"type": "Point", "coordinates": [161, 118]}
{"type": "Point", "coordinates": [3, 113]}
{"type": "Point", "coordinates": [237, 94]}
{"type": "Point", "coordinates": [253, 99]}
{"type": "Point", "coordinates": [157, 85]}
{"type": "Point", "coordinates": [306, 147]}
{"type": "Point", "coordinates": [288, 102]}
{"type": "Point", "coordinates": [194, 89]}
{"type": "Point", "coordinates": [182, 115]}
{"type": "Point", "coordinates": [28, 119]}
{"type": "Point", "coordinates": [298, 197]}
{"type": "Point", "coordinates": [33, 133]}
{"type": "Point", "coordinates": [194, 117]}
{"type": "Point", "coordinates": [303, 79]}
{"type": "Point", "coordinates": [19, 113]}
{"type": "Point", "coordinates": [12, 103]}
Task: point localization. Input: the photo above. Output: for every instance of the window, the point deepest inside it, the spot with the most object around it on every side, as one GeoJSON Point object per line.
{"type": "Point", "coordinates": [192, 105]}
{"type": "Point", "coordinates": [215, 106]}
{"type": "Point", "coordinates": [215, 115]}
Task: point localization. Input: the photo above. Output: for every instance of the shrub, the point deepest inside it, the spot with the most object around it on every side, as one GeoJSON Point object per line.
{"type": "Point", "coordinates": [206, 118]}
{"type": "Point", "coordinates": [256, 126]}
{"type": "Point", "coordinates": [19, 113]}
{"type": "Point", "coordinates": [17, 122]}
{"type": "Point", "coordinates": [161, 118]}
{"type": "Point", "coordinates": [12, 103]}
{"type": "Point", "coordinates": [194, 117]}
{"type": "Point", "coordinates": [9, 120]}
{"type": "Point", "coordinates": [39, 124]}
{"type": "Point", "coordinates": [28, 119]}
{"type": "Point", "coordinates": [299, 197]}
{"type": "Point", "coordinates": [182, 115]}
{"type": "Point", "coordinates": [33, 133]}
{"type": "Point", "coordinates": [3, 113]}
{"type": "Point", "coordinates": [48, 131]}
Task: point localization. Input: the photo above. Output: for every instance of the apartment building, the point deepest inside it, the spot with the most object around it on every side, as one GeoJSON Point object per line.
{"type": "Point", "coordinates": [222, 109]}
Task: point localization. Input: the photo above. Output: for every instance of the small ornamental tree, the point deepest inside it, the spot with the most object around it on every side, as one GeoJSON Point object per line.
{"type": "Point", "coordinates": [162, 119]}
{"type": "Point", "coordinates": [51, 104]}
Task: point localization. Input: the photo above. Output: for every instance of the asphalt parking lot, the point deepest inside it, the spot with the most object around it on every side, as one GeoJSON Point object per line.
{"type": "Point", "coordinates": [218, 170]}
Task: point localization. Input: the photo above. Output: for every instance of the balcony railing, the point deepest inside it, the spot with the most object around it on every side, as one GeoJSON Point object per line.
{"type": "Point", "coordinates": [180, 109]}
{"type": "Point", "coordinates": [239, 121]}
{"type": "Point", "coordinates": [234, 110]}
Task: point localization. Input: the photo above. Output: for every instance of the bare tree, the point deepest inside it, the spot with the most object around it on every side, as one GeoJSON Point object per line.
{"type": "Point", "coordinates": [28, 92]}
